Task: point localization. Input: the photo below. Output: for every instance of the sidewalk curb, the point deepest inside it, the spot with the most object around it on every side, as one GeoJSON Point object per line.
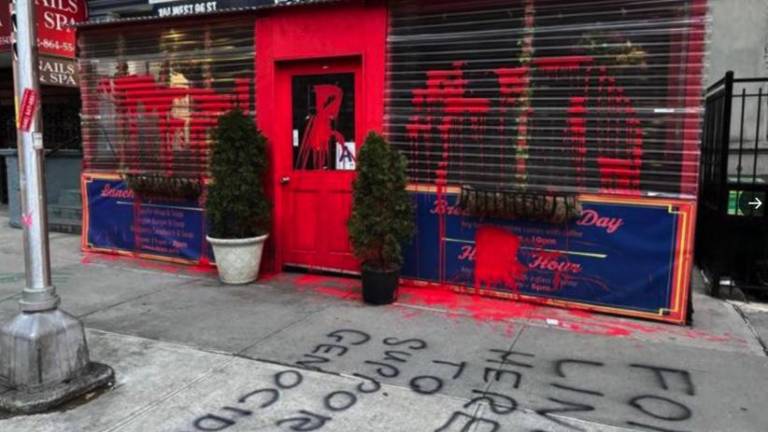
{"type": "Point", "coordinates": [738, 307]}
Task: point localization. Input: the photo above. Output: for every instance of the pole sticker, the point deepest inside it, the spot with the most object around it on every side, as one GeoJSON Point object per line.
{"type": "Point", "coordinates": [27, 220]}
{"type": "Point", "coordinates": [30, 102]}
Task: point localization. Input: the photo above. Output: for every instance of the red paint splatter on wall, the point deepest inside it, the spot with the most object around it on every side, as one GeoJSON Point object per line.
{"type": "Point", "coordinates": [496, 258]}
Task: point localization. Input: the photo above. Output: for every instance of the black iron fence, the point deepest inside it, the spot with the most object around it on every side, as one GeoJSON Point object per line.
{"type": "Point", "coordinates": [732, 226]}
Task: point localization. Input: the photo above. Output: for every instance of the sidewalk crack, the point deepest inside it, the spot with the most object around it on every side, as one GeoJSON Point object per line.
{"type": "Point", "coordinates": [241, 352]}
{"type": "Point", "coordinates": [110, 306]}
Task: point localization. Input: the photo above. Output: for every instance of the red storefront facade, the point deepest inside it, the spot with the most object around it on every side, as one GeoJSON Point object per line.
{"type": "Point", "coordinates": [501, 107]}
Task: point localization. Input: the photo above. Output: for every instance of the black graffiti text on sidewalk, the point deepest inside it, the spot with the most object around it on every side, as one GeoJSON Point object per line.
{"type": "Point", "coordinates": [570, 387]}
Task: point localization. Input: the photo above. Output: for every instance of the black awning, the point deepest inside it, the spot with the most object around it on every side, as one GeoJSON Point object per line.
{"type": "Point", "coordinates": [190, 8]}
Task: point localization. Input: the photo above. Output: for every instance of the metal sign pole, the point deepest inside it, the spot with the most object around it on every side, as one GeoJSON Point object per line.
{"type": "Point", "coordinates": [39, 294]}
{"type": "Point", "coordinates": [43, 352]}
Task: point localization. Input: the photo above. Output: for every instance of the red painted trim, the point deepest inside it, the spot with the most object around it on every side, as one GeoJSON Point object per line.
{"type": "Point", "coordinates": [85, 221]}
{"type": "Point", "coordinates": [691, 151]}
{"type": "Point", "coordinates": [311, 33]}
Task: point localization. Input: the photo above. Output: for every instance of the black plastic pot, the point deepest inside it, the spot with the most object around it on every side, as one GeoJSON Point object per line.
{"type": "Point", "coordinates": [380, 286]}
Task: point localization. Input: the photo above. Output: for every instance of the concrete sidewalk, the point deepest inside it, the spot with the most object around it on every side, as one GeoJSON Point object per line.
{"type": "Point", "coordinates": [301, 352]}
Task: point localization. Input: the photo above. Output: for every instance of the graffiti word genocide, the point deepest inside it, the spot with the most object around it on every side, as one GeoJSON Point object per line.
{"type": "Point", "coordinates": [503, 380]}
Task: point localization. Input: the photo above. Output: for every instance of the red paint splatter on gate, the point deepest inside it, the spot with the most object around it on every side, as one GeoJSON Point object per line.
{"type": "Point", "coordinates": [181, 116]}
{"type": "Point", "coordinates": [444, 106]}
{"type": "Point", "coordinates": [617, 130]}
{"type": "Point", "coordinates": [577, 135]}
{"type": "Point", "coordinates": [496, 258]}
{"type": "Point", "coordinates": [445, 99]}
{"type": "Point", "coordinates": [513, 83]}
{"type": "Point", "coordinates": [562, 64]}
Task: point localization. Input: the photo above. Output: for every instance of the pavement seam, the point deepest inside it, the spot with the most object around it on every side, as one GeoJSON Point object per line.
{"type": "Point", "coordinates": [157, 402]}
{"type": "Point", "coordinates": [751, 328]}
{"type": "Point", "coordinates": [517, 337]}
{"type": "Point", "coordinates": [231, 358]}
{"type": "Point", "coordinates": [10, 297]}
{"type": "Point", "coordinates": [278, 331]}
{"type": "Point", "coordinates": [164, 342]}
{"type": "Point", "coordinates": [149, 271]}
{"type": "Point", "coordinates": [102, 309]}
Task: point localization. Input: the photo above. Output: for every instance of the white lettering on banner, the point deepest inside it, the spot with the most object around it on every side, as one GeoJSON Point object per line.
{"type": "Point", "coordinates": [187, 9]}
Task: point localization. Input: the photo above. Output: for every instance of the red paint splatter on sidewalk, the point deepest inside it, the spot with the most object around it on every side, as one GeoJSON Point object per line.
{"type": "Point", "coordinates": [479, 307]}
{"type": "Point", "coordinates": [148, 264]}
{"type": "Point", "coordinates": [330, 286]}
{"type": "Point", "coordinates": [311, 279]}
{"type": "Point", "coordinates": [484, 309]}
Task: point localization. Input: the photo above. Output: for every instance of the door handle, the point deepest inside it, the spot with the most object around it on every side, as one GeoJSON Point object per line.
{"type": "Point", "coordinates": [285, 180]}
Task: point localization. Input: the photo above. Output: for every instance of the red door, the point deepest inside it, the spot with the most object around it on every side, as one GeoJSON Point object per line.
{"type": "Point", "coordinates": [319, 132]}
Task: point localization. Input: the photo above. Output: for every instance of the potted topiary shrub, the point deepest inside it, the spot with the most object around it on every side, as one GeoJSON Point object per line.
{"type": "Point", "coordinates": [382, 218]}
{"type": "Point", "coordinates": [236, 206]}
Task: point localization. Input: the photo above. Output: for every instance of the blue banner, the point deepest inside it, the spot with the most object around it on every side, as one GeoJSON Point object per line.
{"type": "Point", "coordinates": [616, 254]}
{"type": "Point", "coordinates": [166, 228]}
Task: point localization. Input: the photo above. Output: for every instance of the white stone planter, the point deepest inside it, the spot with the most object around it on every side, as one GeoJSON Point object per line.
{"type": "Point", "coordinates": [238, 260]}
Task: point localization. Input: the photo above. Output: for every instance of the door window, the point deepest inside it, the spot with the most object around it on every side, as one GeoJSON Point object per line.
{"type": "Point", "coordinates": [324, 121]}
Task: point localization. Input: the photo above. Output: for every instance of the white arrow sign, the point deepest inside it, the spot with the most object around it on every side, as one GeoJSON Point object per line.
{"type": "Point", "coordinates": [757, 203]}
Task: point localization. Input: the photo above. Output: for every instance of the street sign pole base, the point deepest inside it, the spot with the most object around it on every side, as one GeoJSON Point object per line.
{"type": "Point", "coordinates": [44, 362]}
{"type": "Point", "coordinates": [17, 401]}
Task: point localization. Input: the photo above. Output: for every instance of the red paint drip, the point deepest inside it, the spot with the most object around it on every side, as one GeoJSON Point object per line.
{"type": "Point", "coordinates": [512, 83]}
